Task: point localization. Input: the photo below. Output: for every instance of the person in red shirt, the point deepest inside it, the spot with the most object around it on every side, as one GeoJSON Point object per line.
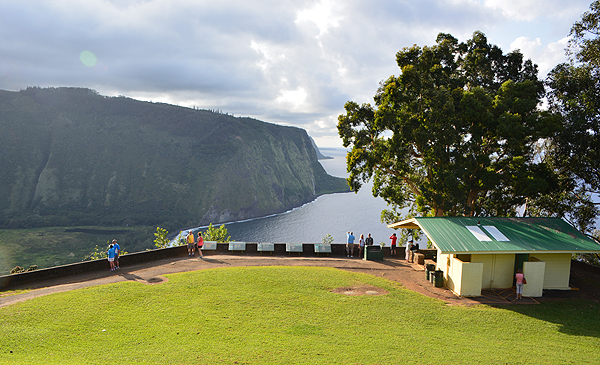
{"type": "Point", "coordinates": [393, 248]}
{"type": "Point", "coordinates": [200, 243]}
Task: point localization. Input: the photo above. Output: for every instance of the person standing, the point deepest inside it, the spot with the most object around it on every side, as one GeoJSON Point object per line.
{"type": "Point", "coordinates": [408, 251]}
{"type": "Point", "coordinates": [200, 243]}
{"type": "Point", "coordinates": [520, 279]}
{"type": "Point", "coordinates": [369, 240]}
{"type": "Point", "coordinates": [350, 245]}
{"type": "Point", "coordinates": [117, 252]}
{"type": "Point", "coordinates": [361, 246]}
{"type": "Point", "coordinates": [190, 243]}
{"type": "Point", "coordinates": [111, 257]}
{"type": "Point", "coordinates": [393, 247]}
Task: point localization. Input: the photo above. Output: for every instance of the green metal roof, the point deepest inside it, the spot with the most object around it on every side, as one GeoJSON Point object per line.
{"type": "Point", "coordinates": [502, 235]}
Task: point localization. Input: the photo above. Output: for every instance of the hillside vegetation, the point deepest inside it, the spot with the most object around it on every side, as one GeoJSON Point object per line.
{"type": "Point", "coordinates": [70, 156]}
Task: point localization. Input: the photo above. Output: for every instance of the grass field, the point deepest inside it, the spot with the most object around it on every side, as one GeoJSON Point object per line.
{"type": "Point", "coordinates": [53, 246]}
{"type": "Point", "coordinates": [287, 315]}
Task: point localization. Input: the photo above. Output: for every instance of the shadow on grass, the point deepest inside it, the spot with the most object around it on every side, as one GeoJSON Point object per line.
{"type": "Point", "coordinates": [577, 317]}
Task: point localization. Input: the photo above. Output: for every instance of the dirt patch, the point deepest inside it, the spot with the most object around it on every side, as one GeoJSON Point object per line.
{"type": "Point", "coordinates": [360, 290]}
{"type": "Point", "coordinates": [156, 280]}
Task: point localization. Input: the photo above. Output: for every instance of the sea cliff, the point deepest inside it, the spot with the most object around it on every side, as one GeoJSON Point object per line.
{"type": "Point", "coordinates": [69, 156]}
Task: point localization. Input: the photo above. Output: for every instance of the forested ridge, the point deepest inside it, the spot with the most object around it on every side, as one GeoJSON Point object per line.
{"type": "Point", "coordinates": [70, 156]}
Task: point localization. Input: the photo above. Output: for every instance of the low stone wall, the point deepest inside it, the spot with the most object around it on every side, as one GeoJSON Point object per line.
{"type": "Point", "coordinates": [24, 278]}
{"type": "Point", "coordinates": [13, 280]}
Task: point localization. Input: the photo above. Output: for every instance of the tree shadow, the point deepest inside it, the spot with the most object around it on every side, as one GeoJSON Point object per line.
{"type": "Point", "coordinates": [576, 317]}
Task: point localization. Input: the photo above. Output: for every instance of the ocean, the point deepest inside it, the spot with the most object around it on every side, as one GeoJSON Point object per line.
{"type": "Point", "coordinates": [333, 214]}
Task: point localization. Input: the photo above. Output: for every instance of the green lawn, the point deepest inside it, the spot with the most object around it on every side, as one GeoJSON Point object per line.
{"type": "Point", "coordinates": [287, 315]}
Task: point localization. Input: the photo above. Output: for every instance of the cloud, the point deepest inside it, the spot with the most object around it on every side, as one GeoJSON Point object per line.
{"type": "Point", "coordinates": [529, 10]}
{"type": "Point", "coordinates": [293, 62]}
{"type": "Point", "coordinates": [548, 56]}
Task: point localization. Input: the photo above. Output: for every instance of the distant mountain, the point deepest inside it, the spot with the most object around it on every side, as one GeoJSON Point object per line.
{"type": "Point", "coordinates": [69, 156]}
{"type": "Point", "coordinates": [320, 156]}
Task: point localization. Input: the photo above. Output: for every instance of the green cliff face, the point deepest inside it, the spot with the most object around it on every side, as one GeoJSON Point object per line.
{"type": "Point", "coordinates": [70, 156]}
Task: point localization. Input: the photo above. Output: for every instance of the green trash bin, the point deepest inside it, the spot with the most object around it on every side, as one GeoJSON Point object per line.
{"type": "Point", "coordinates": [438, 278]}
{"type": "Point", "coordinates": [373, 252]}
{"type": "Point", "coordinates": [429, 268]}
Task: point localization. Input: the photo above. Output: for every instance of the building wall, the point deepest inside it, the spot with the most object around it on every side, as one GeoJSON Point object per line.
{"type": "Point", "coordinates": [498, 270]}
{"type": "Point", "coordinates": [558, 270]}
{"type": "Point", "coordinates": [462, 277]}
{"type": "Point", "coordinates": [534, 271]}
{"type": "Point", "coordinates": [443, 263]}
{"type": "Point", "coordinates": [471, 273]}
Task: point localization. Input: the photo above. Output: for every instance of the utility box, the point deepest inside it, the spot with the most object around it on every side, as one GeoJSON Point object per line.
{"type": "Point", "coordinates": [373, 252]}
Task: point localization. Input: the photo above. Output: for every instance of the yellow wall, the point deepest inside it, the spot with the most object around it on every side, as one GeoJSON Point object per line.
{"type": "Point", "coordinates": [442, 263]}
{"type": "Point", "coordinates": [543, 271]}
{"type": "Point", "coordinates": [534, 274]}
{"type": "Point", "coordinates": [470, 284]}
{"type": "Point", "coordinates": [498, 270]}
{"type": "Point", "coordinates": [463, 278]}
{"type": "Point", "coordinates": [558, 270]}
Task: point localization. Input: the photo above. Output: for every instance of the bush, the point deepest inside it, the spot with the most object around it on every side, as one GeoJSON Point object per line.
{"type": "Point", "coordinates": [328, 239]}
{"type": "Point", "coordinates": [161, 240]}
{"type": "Point", "coordinates": [216, 234]}
{"type": "Point", "coordinates": [96, 254]}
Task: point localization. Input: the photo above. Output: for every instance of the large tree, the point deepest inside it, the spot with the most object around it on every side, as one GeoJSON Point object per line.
{"type": "Point", "coordinates": [575, 152]}
{"type": "Point", "coordinates": [454, 133]}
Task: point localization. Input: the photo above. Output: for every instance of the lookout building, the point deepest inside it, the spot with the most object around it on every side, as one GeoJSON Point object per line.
{"type": "Point", "coordinates": [485, 253]}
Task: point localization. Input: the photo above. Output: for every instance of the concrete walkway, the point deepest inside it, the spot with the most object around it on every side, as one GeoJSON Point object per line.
{"type": "Point", "coordinates": [409, 275]}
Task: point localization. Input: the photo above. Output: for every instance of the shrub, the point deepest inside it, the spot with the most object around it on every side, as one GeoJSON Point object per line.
{"type": "Point", "coordinates": [216, 234]}
{"type": "Point", "coordinates": [161, 240]}
{"type": "Point", "coordinates": [97, 254]}
{"type": "Point", "coordinates": [16, 270]}
{"type": "Point", "coordinates": [328, 239]}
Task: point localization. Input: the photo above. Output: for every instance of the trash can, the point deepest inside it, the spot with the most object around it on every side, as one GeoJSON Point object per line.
{"type": "Point", "coordinates": [428, 269]}
{"type": "Point", "coordinates": [373, 252]}
{"type": "Point", "coordinates": [438, 278]}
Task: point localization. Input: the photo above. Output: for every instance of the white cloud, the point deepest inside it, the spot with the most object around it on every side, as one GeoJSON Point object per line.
{"type": "Point", "coordinates": [545, 56]}
{"type": "Point", "coordinates": [323, 14]}
{"type": "Point", "coordinates": [292, 99]}
{"type": "Point", "coordinates": [529, 10]}
{"type": "Point", "coordinates": [293, 62]}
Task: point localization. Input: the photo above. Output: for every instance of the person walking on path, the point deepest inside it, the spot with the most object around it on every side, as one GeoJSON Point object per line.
{"type": "Point", "coordinates": [408, 251]}
{"type": "Point", "coordinates": [361, 246]}
{"type": "Point", "coordinates": [117, 252]}
{"type": "Point", "coordinates": [111, 257]}
{"type": "Point", "coordinates": [200, 243]}
{"type": "Point", "coordinates": [393, 247]}
{"type": "Point", "coordinates": [520, 279]}
{"type": "Point", "coordinates": [350, 245]}
{"type": "Point", "coordinates": [190, 243]}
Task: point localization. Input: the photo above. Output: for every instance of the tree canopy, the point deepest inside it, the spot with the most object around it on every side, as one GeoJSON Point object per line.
{"type": "Point", "coordinates": [455, 133]}
{"type": "Point", "coordinates": [575, 151]}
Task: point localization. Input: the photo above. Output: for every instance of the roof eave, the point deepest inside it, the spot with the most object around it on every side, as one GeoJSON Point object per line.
{"type": "Point", "coordinates": [511, 252]}
{"type": "Point", "coordinates": [407, 224]}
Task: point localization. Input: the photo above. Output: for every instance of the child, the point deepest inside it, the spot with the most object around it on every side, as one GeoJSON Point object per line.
{"type": "Point", "coordinates": [111, 257]}
{"type": "Point", "coordinates": [520, 278]}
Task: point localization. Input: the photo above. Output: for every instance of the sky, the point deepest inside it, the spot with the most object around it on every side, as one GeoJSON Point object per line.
{"type": "Point", "coordinates": [289, 62]}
